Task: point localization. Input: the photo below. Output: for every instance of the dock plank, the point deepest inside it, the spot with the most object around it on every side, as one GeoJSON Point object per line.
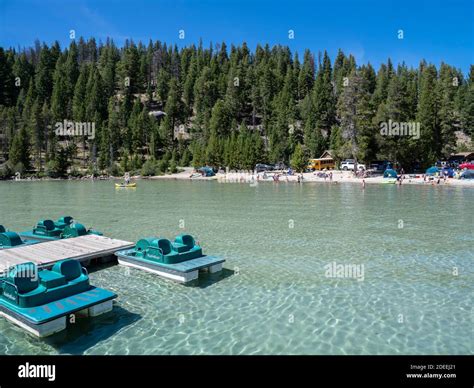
{"type": "Point", "coordinates": [49, 252]}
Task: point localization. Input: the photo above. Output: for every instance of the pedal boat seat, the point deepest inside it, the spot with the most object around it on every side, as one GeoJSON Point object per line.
{"type": "Point", "coordinates": [46, 228]}
{"type": "Point", "coordinates": [9, 239]}
{"type": "Point", "coordinates": [23, 281]}
{"type": "Point", "coordinates": [62, 222]}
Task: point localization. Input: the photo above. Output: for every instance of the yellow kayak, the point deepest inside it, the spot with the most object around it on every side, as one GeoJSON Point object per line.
{"type": "Point", "coordinates": [126, 186]}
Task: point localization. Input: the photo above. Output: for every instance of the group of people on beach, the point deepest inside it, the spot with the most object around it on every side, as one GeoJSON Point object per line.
{"type": "Point", "coordinates": [435, 181]}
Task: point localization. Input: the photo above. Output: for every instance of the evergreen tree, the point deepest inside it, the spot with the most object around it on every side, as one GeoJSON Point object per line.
{"type": "Point", "coordinates": [428, 148]}
{"type": "Point", "coordinates": [468, 105]}
{"type": "Point", "coordinates": [324, 102]}
{"type": "Point", "coordinates": [298, 159]}
{"type": "Point", "coordinates": [306, 75]}
{"type": "Point", "coordinates": [79, 98]}
{"type": "Point", "coordinates": [237, 107]}
{"type": "Point", "coordinates": [59, 99]}
{"type": "Point", "coordinates": [449, 83]}
{"type": "Point", "coordinates": [7, 90]}
{"type": "Point", "coordinates": [19, 155]}
{"type": "Point", "coordinates": [44, 72]}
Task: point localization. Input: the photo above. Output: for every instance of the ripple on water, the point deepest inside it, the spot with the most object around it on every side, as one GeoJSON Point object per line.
{"type": "Point", "coordinates": [275, 297]}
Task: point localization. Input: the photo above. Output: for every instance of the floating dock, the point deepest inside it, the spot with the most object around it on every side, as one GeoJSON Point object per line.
{"type": "Point", "coordinates": [181, 272]}
{"type": "Point", "coordinates": [181, 260]}
{"type": "Point", "coordinates": [40, 300]}
{"type": "Point", "coordinates": [45, 255]}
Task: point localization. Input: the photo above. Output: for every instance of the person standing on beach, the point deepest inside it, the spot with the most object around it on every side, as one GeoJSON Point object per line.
{"type": "Point", "coordinates": [363, 183]}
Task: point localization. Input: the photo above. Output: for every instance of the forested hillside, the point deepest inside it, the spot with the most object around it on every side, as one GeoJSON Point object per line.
{"type": "Point", "coordinates": [224, 107]}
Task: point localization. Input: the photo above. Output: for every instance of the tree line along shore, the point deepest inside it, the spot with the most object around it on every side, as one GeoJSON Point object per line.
{"type": "Point", "coordinates": [153, 107]}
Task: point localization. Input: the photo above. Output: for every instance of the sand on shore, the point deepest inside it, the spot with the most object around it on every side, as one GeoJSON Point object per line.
{"type": "Point", "coordinates": [311, 177]}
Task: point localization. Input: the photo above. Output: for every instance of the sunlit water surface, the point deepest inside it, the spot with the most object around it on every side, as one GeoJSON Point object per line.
{"type": "Point", "coordinates": [274, 296]}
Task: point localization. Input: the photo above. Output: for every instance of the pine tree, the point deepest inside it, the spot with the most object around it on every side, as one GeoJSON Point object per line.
{"type": "Point", "coordinates": [428, 148]}
{"type": "Point", "coordinates": [71, 70]}
{"type": "Point", "coordinates": [348, 114]}
{"type": "Point", "coordinates": [204, 95]}
{"type": "Point", "coordinates": [23, 71]}
{"type": "Point", "coordinates": [7, 89]}
{"type": "Point", "coordinates": [449, 83]}
{"type": "Point", "coordinates": [306, 75]}
{"type": "Point", "coordinates": [79, 98]}
{"type": "Point", "coordinates": [220, 121]}
{"type": "Point", "coordinates": [37, 131]}
{"type": "Point", "coordinates": [468, 105]}
{"type": "Point", "coordinates": [173, 108]}
{"type": "Point", "coordinates": [59, 99]}
{"type": "Point", "coordinates": [134, 129]}
{"type": "Point", "coordinates": [44, 72]}
{"type": "Point", "coordinates": [129, 69]}
{"type": "Point", "coordinates": [298, 159]}
{"type": "Point", "coordinates": [324, 102]}
{"type": "Point", "coordinates": [19, 155]}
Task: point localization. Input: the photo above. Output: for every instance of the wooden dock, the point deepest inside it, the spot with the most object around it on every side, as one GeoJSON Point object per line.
{"type": "Point", "coordinates": [45, 254]}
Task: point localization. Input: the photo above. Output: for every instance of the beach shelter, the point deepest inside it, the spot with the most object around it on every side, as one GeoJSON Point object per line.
{"type": "Point", "coordinates": [432, 171]}
{"type": "Point", "coordinates": [468, 174]}
{"type": "Point", "coordinates": [206, 171]}
{"type": "Point", "coordinates": [389, 173]}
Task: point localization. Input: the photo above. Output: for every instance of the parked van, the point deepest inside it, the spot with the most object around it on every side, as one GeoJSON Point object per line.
{"type": "Point", "coordinates": [321, 164]}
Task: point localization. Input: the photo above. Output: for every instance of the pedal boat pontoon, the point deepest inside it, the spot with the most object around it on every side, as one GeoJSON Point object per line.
{"type": "Point", "coordinates": [40, 301]}
{"type": "Point", "coordinates": [9, 239]}
{"type": "Point", "coordinates": [63, 228]}
{"type": "Point", "coordinates": [180, 261]}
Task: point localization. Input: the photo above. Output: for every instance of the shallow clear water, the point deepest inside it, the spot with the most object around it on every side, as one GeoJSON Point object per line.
{"type": "Point", "coordinates": [274, 296]}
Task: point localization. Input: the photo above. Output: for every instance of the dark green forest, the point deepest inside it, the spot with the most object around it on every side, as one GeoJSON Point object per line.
{"type": "Point", "coordinates": [223, 107]}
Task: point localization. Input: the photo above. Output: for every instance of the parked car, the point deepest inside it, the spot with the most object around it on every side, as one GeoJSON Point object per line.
{"type": "Point", "coordinates": [349, 164]}
{"type": "Point", "coordinates": [280, 166]}
{"type": "Point", "coordinates": [466, 166]}
{"type": "Point", "coordinates": [260, 167]}
{"type": "Point", "coordinates": [467, 174]}
{"type": "Point", "coordinates": [380, 165]}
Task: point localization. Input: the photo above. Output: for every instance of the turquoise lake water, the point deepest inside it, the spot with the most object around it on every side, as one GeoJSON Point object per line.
{"type": "Point", "coordinates": [273, 296]}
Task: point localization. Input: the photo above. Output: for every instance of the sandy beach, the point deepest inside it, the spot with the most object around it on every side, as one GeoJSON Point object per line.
{"type": "Point", "coordinates": [311, 177]}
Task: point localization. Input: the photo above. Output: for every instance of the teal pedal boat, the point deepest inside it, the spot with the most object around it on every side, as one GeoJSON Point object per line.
{"type": "Point", "coordinates": [180, 260]}
{"type": "Point", "coordinates": [9, 239]}
{"type": "Point", "coordinates": [63, 228]}
{"type": "Point", "coordinates": [41, 301]}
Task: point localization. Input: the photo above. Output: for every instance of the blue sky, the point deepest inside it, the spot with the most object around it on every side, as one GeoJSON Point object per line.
{"type": "Point", "coordinates": [435, 30]}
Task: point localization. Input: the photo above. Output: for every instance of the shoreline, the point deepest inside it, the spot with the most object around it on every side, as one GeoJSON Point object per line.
{"type": "Point", "coordinates": [339, 177]}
